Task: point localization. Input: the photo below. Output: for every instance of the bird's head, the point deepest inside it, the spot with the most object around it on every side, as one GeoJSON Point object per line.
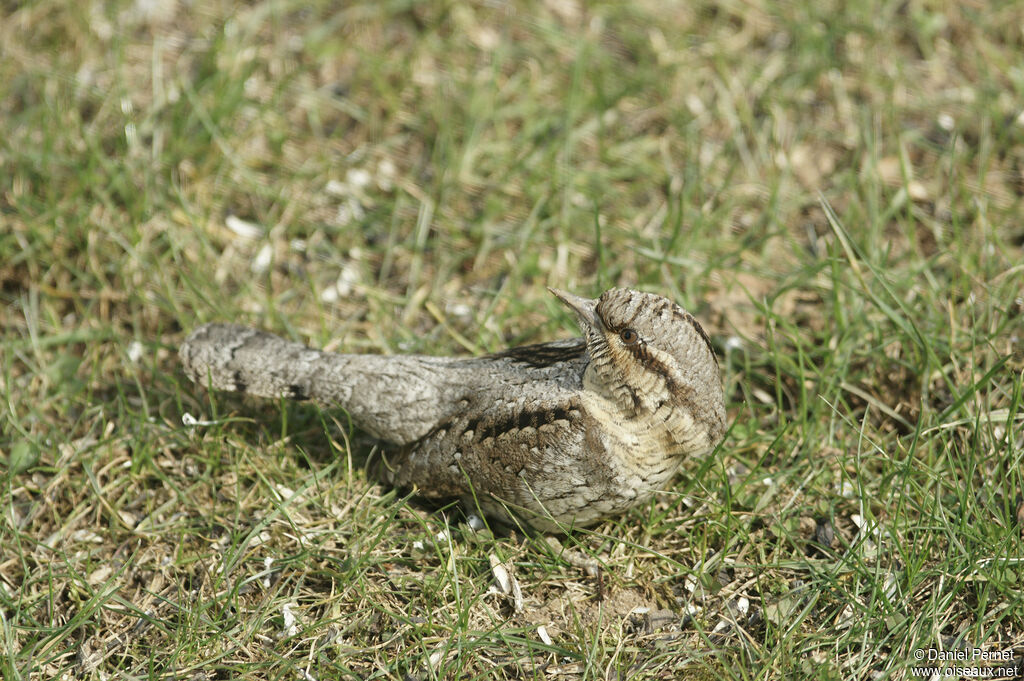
{"type": "Point", "coordinates": [648, 356]}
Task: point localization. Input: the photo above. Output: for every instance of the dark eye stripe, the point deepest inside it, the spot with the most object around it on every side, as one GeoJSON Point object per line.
{"type": "Point", "coordinates": [677, 313]}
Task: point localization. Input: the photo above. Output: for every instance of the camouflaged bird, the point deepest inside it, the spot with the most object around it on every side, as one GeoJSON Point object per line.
{"type": "Point", "coordinates": [560, 434]}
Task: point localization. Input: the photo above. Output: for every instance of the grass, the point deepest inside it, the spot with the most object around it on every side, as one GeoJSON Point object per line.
{"type": "Point", "coordinates": [833, 189]}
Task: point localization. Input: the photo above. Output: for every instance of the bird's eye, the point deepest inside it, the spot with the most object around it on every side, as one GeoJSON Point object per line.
{"type": "Point", "coordinates": [629, 336]}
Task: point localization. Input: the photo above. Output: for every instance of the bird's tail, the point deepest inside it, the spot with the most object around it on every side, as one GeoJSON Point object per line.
{"type": "Point", "coordinates": [394, 398]}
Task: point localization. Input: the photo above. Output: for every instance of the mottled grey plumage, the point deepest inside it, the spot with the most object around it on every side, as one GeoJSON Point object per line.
{"type": "Point", "coordinates": [562, 433]}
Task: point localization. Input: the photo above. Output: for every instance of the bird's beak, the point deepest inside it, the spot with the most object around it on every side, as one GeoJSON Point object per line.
{"type": "Point", "coordinates": [585, 308]}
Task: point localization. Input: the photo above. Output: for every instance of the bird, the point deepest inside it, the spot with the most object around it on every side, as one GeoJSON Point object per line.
{"type": "Point", "coordinates": [559, 435]}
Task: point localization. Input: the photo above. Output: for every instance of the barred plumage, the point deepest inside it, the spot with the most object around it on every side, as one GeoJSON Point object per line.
{"type": "Point", "coordinates": [560, 434]}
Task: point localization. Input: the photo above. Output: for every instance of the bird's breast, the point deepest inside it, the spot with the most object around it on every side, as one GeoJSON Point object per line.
{"type": "Point", "coordinates": [643, 450]}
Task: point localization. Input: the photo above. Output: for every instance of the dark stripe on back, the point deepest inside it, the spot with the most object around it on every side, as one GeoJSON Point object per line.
{"type": "Point", "coordinates": [545, 354]}
{"type": "Point", "coordinates": [682, 314]}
